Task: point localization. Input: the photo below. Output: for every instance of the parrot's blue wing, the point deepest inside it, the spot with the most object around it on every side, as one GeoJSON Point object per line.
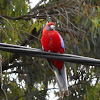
{"type": "Point", "coordinates": [62, 42]}
{"type": "Point", "coordinates": [42, 48]}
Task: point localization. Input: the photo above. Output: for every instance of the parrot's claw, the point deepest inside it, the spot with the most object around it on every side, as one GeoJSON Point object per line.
{"type": "Point", "coordinates": [49, 51]}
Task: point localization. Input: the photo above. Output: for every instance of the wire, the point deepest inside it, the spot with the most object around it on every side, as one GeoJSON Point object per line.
{"type": "Point", "coordinates": [33, 52]}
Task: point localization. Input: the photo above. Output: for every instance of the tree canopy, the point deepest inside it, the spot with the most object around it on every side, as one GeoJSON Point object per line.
{"type": "Point", "coordinates": [30, 78]}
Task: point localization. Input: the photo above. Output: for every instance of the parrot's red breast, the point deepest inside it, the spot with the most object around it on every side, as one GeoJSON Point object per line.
{"type": "Point", "coordinates": [51, 42]}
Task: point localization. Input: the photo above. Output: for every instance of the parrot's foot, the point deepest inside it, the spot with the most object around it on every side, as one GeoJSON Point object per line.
{"type": "Point", "coordinates": [49, 51]}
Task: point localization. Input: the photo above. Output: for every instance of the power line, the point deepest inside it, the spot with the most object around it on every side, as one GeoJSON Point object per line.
{"type": "Point", "coordinates": [33, 52]}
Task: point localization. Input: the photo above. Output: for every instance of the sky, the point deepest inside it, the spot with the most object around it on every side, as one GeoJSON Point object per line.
{"type": "Point", "coordinates": [33, 3]}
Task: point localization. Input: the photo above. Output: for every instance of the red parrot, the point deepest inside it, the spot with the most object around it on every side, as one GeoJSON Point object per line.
{"type": "Point", "coordinates": [52, 42]}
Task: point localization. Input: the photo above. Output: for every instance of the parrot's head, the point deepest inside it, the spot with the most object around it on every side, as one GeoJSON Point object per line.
{"type": "Point", "coordinates": [50, 26]}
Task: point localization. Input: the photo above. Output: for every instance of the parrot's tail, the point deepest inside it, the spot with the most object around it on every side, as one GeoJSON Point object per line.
{"type": "Point", "coordinates": [61, 76]}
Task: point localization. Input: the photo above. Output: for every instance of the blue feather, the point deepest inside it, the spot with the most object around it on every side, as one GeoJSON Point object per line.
{"type": "Point", "coordinates": [42, 48]}
{"type": "Point", "coordinates": [62, 42]}
{"type": "Point", "coordinates": [48, 28]}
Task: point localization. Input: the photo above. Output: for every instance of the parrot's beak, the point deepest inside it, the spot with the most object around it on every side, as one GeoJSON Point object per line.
{"type": "Point", "coordinates": [52, 27]}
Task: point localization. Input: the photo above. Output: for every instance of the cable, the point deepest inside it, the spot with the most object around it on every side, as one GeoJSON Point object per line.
{"type": "Point", "coordinates": [33, 52]}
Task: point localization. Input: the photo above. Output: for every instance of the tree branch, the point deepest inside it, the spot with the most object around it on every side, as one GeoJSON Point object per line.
{"type": "Point", "coordinates": [39, 11]}
{"type": "Point", "coordinates": [16, 56]}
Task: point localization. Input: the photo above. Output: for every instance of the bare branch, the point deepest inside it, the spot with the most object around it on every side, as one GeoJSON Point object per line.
{"type": "Point", "coordinates": [34, 15]}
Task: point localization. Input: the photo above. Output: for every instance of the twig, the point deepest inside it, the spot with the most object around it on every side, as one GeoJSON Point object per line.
{"type": "Point", "coordinates": [8, 22]}
{"type": "Point", "coordinates": [67, 30]}
{"type": "Point", "coordinates": [34, 15]}
{"type": "Point", "coordinates": [24, 17]}
{"type": "Point", "coordinates": [28, 34]}
{"type": "Point", "coordinates": [20, 97]}
{"type": "Point", "coordinates": [48, 17]}
{"type": "Point", "coordinates": [2, 79]}
{"type": "Point", "coordinates": [4, 32]}
{"type": "Point", "coordinates": [69, 21]}
{"type": "Point", "coordinates": [16, 56]}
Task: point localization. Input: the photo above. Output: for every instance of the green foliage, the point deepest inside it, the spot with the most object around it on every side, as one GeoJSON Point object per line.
{"type": "Point", "coordinates": [79, 24]}
{"type": "Point", "coordinates": [93, 93]}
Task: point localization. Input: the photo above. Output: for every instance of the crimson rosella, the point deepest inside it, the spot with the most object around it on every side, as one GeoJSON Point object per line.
{"type": "Point", "coordinates": [52, 42]}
